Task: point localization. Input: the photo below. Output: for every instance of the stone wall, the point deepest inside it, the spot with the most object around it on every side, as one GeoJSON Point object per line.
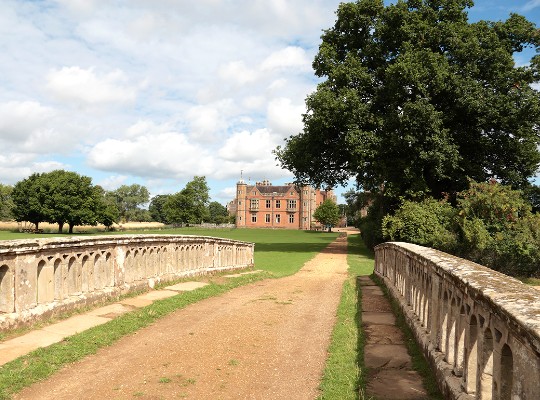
{"type": "Point", "coordinates": [41, 277]}
{"type": "Point", "coordinates": [479, 329]}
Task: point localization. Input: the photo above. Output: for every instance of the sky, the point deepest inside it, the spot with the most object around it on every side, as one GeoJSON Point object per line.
{"type": "Point", "coordinates": [155, 92]}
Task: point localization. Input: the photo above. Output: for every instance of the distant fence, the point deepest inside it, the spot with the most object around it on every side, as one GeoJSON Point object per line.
{"type": "Point", "coordinates": [39, 277]}
{"type": "Point", "coordinates": [479, 329]}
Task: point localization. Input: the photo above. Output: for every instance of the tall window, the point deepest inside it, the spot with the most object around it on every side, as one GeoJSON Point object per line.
{"type": "Point", "coordinates": [255, 203]}
{"type": "Point", "coordinates": [268, 203]}
{"type": "Point", "coordinates": [291, 218]}
{"type": "Point", "coordinates": [267, 218]}
{"type": "Point", "coordinates": [291, 204]}
{"type": "Point", "coordinates": [253, 217]}
{"type": "Point", "coordinates": [278, 218]}
{"type": "Point", "coordinates": [278, 203]}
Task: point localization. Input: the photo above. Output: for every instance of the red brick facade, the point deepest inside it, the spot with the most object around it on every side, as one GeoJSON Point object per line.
{"type": "Point", "coordinates": [266, 206]}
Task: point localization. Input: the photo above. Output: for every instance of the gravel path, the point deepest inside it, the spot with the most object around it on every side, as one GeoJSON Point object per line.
{"type": "Point", "coordinates": [267, 340]}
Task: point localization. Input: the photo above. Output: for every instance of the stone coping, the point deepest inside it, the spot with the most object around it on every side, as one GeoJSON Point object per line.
{"type": "Point", "coordinates": [37, 244]}
{"type": "Point", "coordinates": [516, 302]}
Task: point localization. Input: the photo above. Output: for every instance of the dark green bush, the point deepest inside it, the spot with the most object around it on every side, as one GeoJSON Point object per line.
{"type": "Point", "coordinates": [428, 223]}
{"type": "Point", "coordinates": [491, 224]}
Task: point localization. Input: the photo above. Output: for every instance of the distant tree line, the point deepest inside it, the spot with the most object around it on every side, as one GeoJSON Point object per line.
{"type": "Point", "coordinates": [67, 198]}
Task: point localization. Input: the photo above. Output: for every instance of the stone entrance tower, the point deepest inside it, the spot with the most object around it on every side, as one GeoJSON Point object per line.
{"type": "Point", "coordinates": [241, 200]}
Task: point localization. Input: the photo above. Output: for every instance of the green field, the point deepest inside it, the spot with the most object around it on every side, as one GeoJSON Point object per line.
{"type": "Point", "coordinates": [281, 252]}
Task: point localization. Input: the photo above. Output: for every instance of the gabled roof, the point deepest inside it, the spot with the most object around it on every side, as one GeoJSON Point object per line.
{"type": "Point", "coordinates": [267, 189]}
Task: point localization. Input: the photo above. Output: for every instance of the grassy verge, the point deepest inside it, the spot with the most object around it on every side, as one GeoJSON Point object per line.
{"type": "Point", "coordinates": [42, 363]}
{"type": "Point", "coordinates": [419, 363]}
{"type": "Point", "coordinates": [344, 376]}
{"type": "Point", "coordinates": [530, 281]}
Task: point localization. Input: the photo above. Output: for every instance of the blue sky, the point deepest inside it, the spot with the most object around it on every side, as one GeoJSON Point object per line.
{"type": "Point", "coordinates": [156, 91]}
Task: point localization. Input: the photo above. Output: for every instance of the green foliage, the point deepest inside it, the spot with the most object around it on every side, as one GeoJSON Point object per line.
{"type": "Point", "coordinates": [217, 213]}
{"type": "Point", "coordinates": [357, 204]}
{"type": "Point", "coordinates": [532, 193]}
{"type": "Point", "coordinates": [371, 225]}
{"type": "Point", "coordinates": [6, 203]}
{"type": "Point", "coordinates": [29, 198]}
{"type": "Point", "coordinates": [107, 211]}
{"type": "Point", "coordinates": [327, 213]}
{"type": "Point", "coordinates": [156, 208]}
{"type": "Point", "coordinates": [190, 205]}
{"type": "Point", "coordinates": [498, 229]}
{"type": "Point", "coordinates": [69, 198]}
{"type": "Point", "coordinates": [416, 100]}
{"type": "Point", "coordinates": [491, 224]}
{"type": "Point", "coordinates": [61, 197]}
{"type": "Point", "coordinates": [428, 223]}
{"type": "Point", "coordinates": [129, 199]}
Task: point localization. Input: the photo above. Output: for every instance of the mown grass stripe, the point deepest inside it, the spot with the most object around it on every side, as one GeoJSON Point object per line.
{"type": "Point", "coordinates": [344, 374]}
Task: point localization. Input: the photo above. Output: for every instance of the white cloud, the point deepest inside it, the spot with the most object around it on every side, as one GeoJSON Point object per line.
{"type": "Point", "coordinates": [154, 92]}
{"type": "Point", "coordinates": [83, 86]}
{"type": "Point", "coordinates": [35, 128]}
{"type": "Point", "coordinates": [284, 117]}
{"type": "Point", "coordinates": [227, 194]}
{"type": "Point", "coordinates": [530, 5]}
{"type": "Point", "coordinates": [248, 146]}
{"type": "Point", "coordinates": [144, 127]}
{"type": "Point", "coordinates": [17, 166]}
{"type": "Point", "coordinates": [253, 102]}
{"type": "Point", "coordinates": [161, 155]}
{"type": "Point", "coordinates": [208, 122]}
{"type": "Point", "coordinates": [19, 120]}
{"type": "Point", "coordinates": [112, 182]}
{"type": "Point", "coordinates": [79, 6]}
{"type": "Point", "coordinates": [237, 72]}
{"type": "Point", "coordinates": [289, 57]}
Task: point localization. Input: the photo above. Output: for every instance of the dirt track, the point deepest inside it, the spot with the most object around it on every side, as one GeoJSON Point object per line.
{"type": "Point", "coordinates": [263, 341]}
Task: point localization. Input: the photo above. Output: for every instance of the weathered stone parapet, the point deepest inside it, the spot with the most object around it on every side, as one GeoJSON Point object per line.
{"type": "Point", "coordinates": [479, 329]}
{"type": "Point", "coordinates": [40, 277]}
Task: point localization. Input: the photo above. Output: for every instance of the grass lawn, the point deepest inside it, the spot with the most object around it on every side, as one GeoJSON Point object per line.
{"type": "Point", "coordinates": [344, 374]}
{"type": "Point", "coordinates": [281, 252]}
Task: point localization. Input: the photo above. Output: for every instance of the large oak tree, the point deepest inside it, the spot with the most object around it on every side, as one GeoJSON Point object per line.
{"type": "Point", "coordinates": [417, 100]}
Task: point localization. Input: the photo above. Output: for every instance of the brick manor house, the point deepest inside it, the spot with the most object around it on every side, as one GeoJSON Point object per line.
{"type": "Point", "coordinates": [264, 205]}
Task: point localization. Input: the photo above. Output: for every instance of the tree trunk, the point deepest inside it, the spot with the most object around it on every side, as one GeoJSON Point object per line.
{"type": "Point", "coordinates": [60, 227]}
{"type": "Point", "coordinates": [71, 228]}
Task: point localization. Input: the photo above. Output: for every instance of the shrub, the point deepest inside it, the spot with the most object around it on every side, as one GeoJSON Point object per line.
{"type": "Point", "coordinates": [492, 225]}
{"type": "Point", "coordinates": [428, 223]}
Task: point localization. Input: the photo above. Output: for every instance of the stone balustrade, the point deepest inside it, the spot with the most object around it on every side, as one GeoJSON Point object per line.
{"type": "Point", "coordinates": [479, 329]}
{"type": "Point", "coordinates": [41, 277]}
